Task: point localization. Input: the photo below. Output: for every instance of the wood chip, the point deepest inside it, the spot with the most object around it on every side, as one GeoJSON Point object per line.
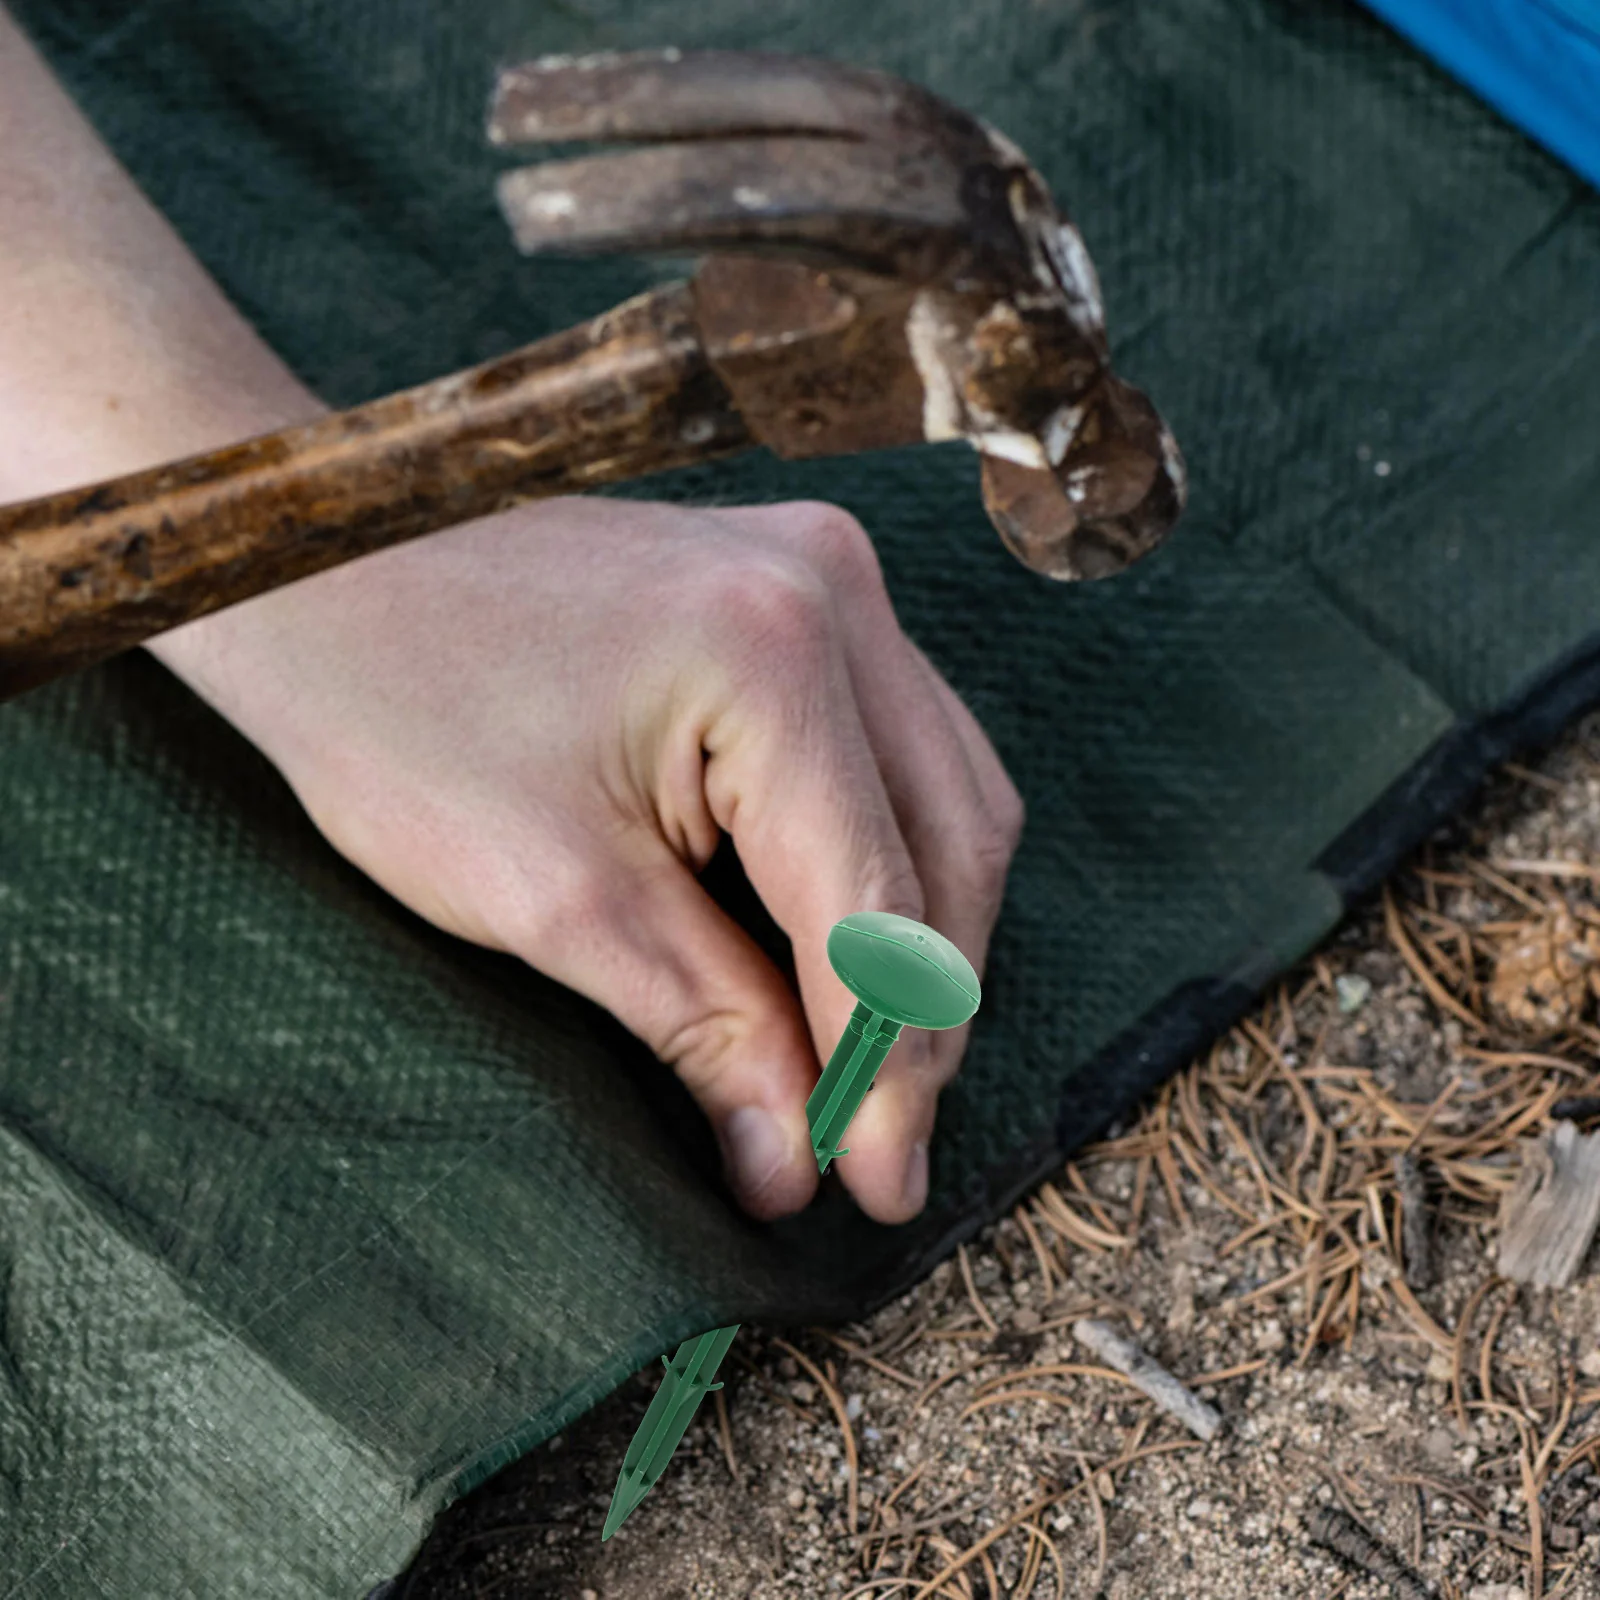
{"type": "Point", "coordinates": [1148, 1376]}
{"type": "Point", "coordinates": [1548, 1217]}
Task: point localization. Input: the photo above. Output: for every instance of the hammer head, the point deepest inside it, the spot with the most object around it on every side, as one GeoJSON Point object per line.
{"type": "Point", "coordinates": [881, 268]}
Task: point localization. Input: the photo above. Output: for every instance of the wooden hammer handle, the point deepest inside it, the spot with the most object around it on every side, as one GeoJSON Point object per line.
{"type": "Point", "coordinates": [93, 571]}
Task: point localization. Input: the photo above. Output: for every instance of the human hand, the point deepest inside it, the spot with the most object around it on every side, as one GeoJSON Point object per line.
{"type": "Point", "coordinates": [533, 729]}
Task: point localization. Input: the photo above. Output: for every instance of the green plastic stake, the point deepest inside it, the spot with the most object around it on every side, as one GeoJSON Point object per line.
{"type": "Point", "coordinates": [687, 1383]}
{"type": "Point", "coordinates": [903, 974]}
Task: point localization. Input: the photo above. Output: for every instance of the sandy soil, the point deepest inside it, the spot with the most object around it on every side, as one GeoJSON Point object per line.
{"type": "Point", "coordinates": [1379, 1437]}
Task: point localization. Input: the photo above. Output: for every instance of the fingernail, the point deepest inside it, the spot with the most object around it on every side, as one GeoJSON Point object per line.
{"type": "Point", "coordinates": [754, 1147]}
{"type": "Point", "coordinates": [915, 1193]}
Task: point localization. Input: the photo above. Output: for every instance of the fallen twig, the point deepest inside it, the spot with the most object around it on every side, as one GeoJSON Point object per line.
{"type": "Point", "coordinates": [1416, 1251]}
{"type": "Point", "coordinates": [1102, 1552]}
{"type": "Point", "coordinates": [972, 1291]}
{"type": "Point", "coordinates": [725, 1434]}
{"type": "Point", "coordinates": [1148, 1376]}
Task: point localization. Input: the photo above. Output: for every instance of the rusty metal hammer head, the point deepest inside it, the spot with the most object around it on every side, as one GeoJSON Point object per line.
{"type": "Point", "coordinates": [882, 268]}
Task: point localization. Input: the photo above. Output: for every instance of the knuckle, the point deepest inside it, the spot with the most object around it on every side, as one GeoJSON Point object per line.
{"type": "Point", "coordinates": [774, 602]}
{"type": "Point", "coordinates": [836, 543]}
{"type": "Point", "coordinates": [894, 886]}
{"type": "Point", "coordinates": [984, 857]}
{"type": "Point", "coordinates": [1011, 813]}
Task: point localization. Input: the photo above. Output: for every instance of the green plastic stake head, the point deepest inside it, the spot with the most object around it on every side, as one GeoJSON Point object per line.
{"type": "Point", "coordinates": [903, 970]}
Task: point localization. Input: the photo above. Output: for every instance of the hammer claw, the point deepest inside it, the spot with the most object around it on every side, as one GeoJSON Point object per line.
{"type": "Point", "coordinates": [830, 202]}
{"type": "Point", "coordinates": [667, 94]}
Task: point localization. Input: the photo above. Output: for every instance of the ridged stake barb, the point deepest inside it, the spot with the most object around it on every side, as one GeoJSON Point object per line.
{"type": "Point", "coordinates": [903, 974]}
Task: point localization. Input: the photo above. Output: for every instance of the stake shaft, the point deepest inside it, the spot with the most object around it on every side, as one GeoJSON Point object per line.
{"type": "Point", "coordinates": [866, 1040]}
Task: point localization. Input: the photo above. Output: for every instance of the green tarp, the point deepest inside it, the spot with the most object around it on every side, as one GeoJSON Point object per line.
{"type": "Point", "coordinates": [311, 1217]}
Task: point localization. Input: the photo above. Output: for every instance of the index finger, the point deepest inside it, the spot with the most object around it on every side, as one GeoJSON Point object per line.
{"type": "Point", "coordinates": [793, 778]}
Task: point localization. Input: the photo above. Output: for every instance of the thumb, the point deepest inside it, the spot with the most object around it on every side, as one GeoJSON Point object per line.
{"type": "Point", "coordinates": [657, 951]}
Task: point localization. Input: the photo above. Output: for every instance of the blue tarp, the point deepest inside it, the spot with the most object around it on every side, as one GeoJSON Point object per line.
{"type": "Point", "coordinates": [1536, 61]}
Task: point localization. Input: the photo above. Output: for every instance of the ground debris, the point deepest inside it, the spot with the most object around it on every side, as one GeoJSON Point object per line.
{"type": "Point", "coordinates": [1250, 1214]}
{"type": "Point", "coordinates": [1337, 1531]}
{"type": "Point", "coordinates": [1416, 1234]}
{"type": "Point", "coordinates": [1548, 1219]}
{"type": "Point", "coordinates": [1545, 972]}
{"type": "Point", "coordinates": [1149, 1375]}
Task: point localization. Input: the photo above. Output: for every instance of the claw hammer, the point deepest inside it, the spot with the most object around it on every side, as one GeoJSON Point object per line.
{"type": "Point", "coordinates": [879, 268]}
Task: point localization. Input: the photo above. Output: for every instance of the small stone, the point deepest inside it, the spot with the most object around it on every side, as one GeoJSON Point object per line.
{"type": "Point", "coordinates": [1439, 1447]}
{"type": "Point", "coordinates": [795, 1499]}
{"type": "Point", "coordinates": [1497, 1591]}
{"type": "Point", "coordinates": [1353, 991]}
{"type": "Point", "coordinates": [1198, 1510]}
{"type": "Point", "coordinates": [803, 1390]}
{"type": "Point", "coordinates": [1026, 1319]}
{"type": "Point", "coordinates": [1589, 1363]}
{"type": "Point", "coordinates": [588, 1594]}
{"type": "Point", "coordinates": [853, 1404]}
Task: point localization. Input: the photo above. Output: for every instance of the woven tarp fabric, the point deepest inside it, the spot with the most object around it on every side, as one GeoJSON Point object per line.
{"type": "Point", "coordinates": [311, 1217]}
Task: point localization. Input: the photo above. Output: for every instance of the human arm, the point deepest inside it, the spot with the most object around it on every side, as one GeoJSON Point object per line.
{"type": "Point", "coordinates": [533, 729]}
